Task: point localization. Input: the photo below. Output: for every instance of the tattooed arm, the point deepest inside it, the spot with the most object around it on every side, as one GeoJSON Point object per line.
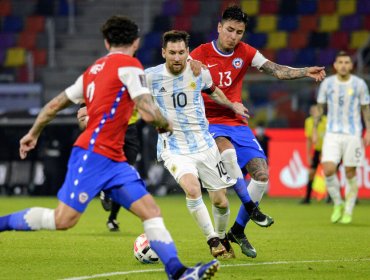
{"type": "Point", "coordinates": [366, 115]}
{"type": "Point", "coordinates": [47, 114]}
{"type": "Point", "coordinates": [150, 113]}
{"type": "Point", "coordinates": [284, 72]}
{"type": "Point", "coordinates": [219, 97]}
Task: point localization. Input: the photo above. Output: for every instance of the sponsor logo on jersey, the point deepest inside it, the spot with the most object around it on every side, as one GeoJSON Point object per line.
{"type": "Point", "coordinates": [211, 65]}
{"type": "Point", "coordinates": [237, 63]}
{"type": "Point", "coordinates": [162, 89]}
{"type": "Point", "coordinates": [294, 175]}
{"type": "Point", "coordinates": [83, 197]}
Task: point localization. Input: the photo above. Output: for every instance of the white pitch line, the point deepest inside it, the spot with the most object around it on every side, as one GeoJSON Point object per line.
{"type": "Point", "coordinates": [222, 265]}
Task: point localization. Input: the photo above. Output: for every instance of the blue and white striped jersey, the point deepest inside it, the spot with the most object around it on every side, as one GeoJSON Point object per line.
{"type": "Point", "coordinates": [344, 100]}
{"type": "Point", "coordinates": [180, 100]}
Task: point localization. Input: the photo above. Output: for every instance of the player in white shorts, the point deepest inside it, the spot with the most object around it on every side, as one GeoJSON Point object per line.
{"type": "Point", "coordinates": [190, 152]}
{"type": "Point", "coordinates": [346, 96]}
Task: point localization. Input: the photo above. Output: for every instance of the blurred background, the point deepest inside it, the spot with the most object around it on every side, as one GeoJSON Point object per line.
{"type": "Point", "coordinates": [46, 44]}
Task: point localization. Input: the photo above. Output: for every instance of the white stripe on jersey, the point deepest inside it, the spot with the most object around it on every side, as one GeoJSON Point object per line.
{"type": "Point", "coordinates": [344, 101]}
{"type": "Point", "coordinates": [180, 100]}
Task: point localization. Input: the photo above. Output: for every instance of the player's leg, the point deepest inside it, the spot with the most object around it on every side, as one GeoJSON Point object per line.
{"type": "Point", "coordinates": [331, 156]}
{"type": "Point", "coordinates": [134, 196]}
{"type": "Point", "coordinates": [311, 175]}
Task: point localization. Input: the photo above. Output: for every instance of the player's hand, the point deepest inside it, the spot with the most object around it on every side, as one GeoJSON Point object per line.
{"type": "Point", "coordinates": [26, 144]}
{"type": "Point", "coordinates": [168, 128]}
{"type": "Point", "coordinates": [239, 109]}
{"type": "Point", "coordinates": [316, 72]}
{"type": "Point", "coordinates": [367, 138]}
{"type": "Point", "coordinates": [196, 67]}
{"type": "Point", "coordinates": [82, 117]}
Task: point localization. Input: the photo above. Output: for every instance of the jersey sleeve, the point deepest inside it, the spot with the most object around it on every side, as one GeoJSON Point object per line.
{"type": "Point", "coordinates": [207, 79]}
{"type": "Point", "coordinates": [321, 96]}
{"type": "Point", "coordinates": [308, 127]}
{"type": "Point", "coordinates": [365, 97]}
{"type": "Point", "coordinates": [75, 91]}
{"type": "Point", "coordinates": [258, 60]}
{"type": "Point", "coordinates": [196, 54]}
{"type": "Point", "coordinates": [135, 80]}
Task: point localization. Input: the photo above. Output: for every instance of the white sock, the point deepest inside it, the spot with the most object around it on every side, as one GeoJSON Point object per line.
{"type": "Point", "coordinates": [221, 217]}
{"type": "Point", "coordinates": [333, 186]}
{"type": "Point", "coordinates": [155, 230]}
{"type": "Point", "coordinates": [256, 189]}
{"type": "Point", "coordinates": [230, 161]}
{"type": "Point", "coordinates": [351, 194]}
{"type": "Point", "coordinates": [199, 211]}
{"type": "Point", "coordinates": [40, 218]}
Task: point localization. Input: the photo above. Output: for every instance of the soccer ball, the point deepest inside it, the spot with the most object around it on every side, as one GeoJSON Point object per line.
{"type": "Point", "coordinates": [142, 251]}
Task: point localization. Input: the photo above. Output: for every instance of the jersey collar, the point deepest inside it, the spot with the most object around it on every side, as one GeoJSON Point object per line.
{"type": "Point", "coordinates": [214, 45]}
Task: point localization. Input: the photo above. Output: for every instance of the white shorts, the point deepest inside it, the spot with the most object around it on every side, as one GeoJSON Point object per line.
{"type": "Point", "coordinates": [206, 165]}
{"type": "Point", "coordinates": [349, 148]}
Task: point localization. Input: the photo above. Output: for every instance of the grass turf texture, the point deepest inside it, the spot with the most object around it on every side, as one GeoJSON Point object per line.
{"type": "Point", "coordinates": [302, 244]}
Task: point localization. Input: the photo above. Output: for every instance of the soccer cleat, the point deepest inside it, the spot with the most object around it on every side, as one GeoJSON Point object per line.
{"type": "Point", "coordinates": [113, 225]}
{"type": "Point", "coordinates": [201, 271]}
{"type": "Point", "coordinates": [337, 213]}
{"type": "Point", "coordinates": [216, 247]}
{"type": "Point", "coordinates": [242, 241]}
{"type": "Point", "coordinates": [261, 219]}
{"type": "Point", "coordinates": [106, 202]}
{"type": "Point", "coordinates": [229, 253]}
{"type": "Point", "coordinates": [346, 219]}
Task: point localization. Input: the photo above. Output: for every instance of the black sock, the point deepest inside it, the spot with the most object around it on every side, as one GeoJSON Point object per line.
{"type": "Point", "coordinates": [249, 206]}
{"type": "Point", "coordinates": [179, 272]}
{"type": "Point", "coordinates": [114, 211]}
{"type": "Point", "coordinates": [237, 229]}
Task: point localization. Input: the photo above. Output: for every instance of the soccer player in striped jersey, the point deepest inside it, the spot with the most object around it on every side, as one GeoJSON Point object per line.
{"type": "Point", "coordinates": [346, 95]}
{"type": "Point", "coordinates": [190, 152]}
{"type": "Point", "coordinates": [110, 88]}
{"type": "Point", "coordinates": [228, 60]}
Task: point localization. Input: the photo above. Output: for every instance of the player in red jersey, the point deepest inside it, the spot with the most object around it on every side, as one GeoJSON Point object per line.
{"type": "Point", "coordinates": [110, 88]}
{"type": "Point", "coordinates": [228, 60]}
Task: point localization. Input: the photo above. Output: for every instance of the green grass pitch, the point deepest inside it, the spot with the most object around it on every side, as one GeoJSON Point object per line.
{"type": "Point", "coordinates": [302, 244]}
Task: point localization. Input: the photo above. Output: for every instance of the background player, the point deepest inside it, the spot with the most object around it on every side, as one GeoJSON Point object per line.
{"type": "Point", "coordinates": [110, 88]}
{"type": "Point", "coordinates": [314, 130]}
{"type": "Point", "coordinates": [346, 96]}
{"type": "Point", "coordinates": [228, 60]}
{"type": "Point", "coordinates": [190, 153]}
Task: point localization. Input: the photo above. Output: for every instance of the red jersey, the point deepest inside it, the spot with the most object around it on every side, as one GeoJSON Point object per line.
{"type": "Point", "coordinates": [108, 87]}
{"type": "Point", "coordinates": [227, 71]}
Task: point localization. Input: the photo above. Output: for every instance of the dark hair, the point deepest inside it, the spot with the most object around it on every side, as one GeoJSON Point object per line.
{"type": "Point", "coordinates": [234, 12]}
{"type": "Point", "coordinates": [120, 30]}
{"type": "Point", "coordinates": [175, 36]}
{"type": "Point", "coordinates": [342, 53]}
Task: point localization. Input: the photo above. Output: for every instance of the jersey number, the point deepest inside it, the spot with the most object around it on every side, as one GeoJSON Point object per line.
{"type": "Point", "coordinates": [90, 91]}
{"type": "Point", "coordinates": [179, 99]}
{"type": "Point", "coordinates": [221, 169]}
{"type": "Point", "coordinates": [258, 144]}
{"type": "Point", "coordinates": [225, 78]}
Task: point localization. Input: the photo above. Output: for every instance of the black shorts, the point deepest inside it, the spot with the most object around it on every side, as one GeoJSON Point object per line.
{"type": "Point", "coordinates": [316, 159]}
{"type": "Point", "coordinates": [132, 145]}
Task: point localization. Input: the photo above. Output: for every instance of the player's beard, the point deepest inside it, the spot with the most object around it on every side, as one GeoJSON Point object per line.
{"type": "Point", "coordinates": [177, 68]}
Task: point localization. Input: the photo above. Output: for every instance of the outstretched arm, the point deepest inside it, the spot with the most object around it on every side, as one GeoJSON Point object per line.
{"type": "Point", "coordinates": [150, 113]}
{"type": "Point", "coordinates": [219, 97]}
{"type": "Point", "coordinates": [366, 115]}
{"type": "Point", "coordinates": [47, 114]}
{"type": "Point", "coordinates": [284, 72]}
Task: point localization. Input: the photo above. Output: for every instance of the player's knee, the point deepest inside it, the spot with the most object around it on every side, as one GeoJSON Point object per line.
{"type": "Point", "coordinates": [221, 203]}
{"type": "Point", "coordinates": [350, 173]}
{"type": "Point", "coordinates": [193, 192]}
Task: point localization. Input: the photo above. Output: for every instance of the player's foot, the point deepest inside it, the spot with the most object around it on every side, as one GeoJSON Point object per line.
{"type": "Point", "coordinates": [242, 241]}
{"type": "Point", "coordinates": [201, 271]}
{"type": "Point", "coordinates": [261, 219]}
{"type": "Point", "coordinates": [229, 253]}
{"type": "Point", "coordinates": [346, 219]}
{"type": "Point", "coordinates": [106, 202]}
{"type": "Point", "coordinates": [216, 247]}
{"type": "Point", "coordinates": [113, 225]}
{"type": "Point", "coordinates": [337, 213]}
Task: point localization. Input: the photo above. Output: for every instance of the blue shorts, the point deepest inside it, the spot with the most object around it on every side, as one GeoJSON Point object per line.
{"type": "Point", "coordinates": [89, 173]}
{"type": "Point", "coordinates": [243, 140]}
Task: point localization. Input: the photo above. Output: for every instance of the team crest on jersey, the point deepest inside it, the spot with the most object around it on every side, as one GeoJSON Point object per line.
{"type": "Point", "coordinates": [83, 197]}
{"type": "Point", "coordinates": [237, 63]}
{"type": "Point", "coordinates": [193, 85]}
{"type": "Point", "coordinates": [350, 91]}
{"type": "Point", "coordinates": [173, 168]}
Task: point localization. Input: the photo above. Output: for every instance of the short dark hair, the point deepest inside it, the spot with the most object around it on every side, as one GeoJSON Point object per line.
{"type": "Point", "coordinates": [175, 36]}
{"type": "Point", "coordinates": [120, 30]}
{"type": "Point", "coordinates": [342, 53]}
{"type": "Point", "coordinates": [234, 12]}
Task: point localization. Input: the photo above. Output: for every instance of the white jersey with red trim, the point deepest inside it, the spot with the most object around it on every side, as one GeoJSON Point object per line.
{"type": "Point", "coordinates": [108, 87]}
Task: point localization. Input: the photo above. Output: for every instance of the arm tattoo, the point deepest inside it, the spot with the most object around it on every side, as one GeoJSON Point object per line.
{"type": "Point", "coordinates": [149, 111]}
{"type": "Point", "coordinates": [366, 115]}
{"type": "Point", "coordinates": [283, 72]}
